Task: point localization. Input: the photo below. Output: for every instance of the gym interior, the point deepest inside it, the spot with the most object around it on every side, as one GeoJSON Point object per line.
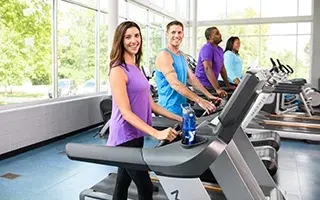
{"type": "Point", "coordinates": [56, 101]}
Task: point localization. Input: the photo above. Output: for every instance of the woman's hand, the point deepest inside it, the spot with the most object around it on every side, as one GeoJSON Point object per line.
{"type": "Point", "coordinates": [166, 134]}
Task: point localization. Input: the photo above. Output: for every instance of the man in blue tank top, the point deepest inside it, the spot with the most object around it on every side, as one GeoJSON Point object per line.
{"type": "Point", "coordinates": [172, 74]}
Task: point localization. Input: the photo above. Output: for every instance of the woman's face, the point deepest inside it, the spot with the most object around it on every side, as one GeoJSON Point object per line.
{"type": "Point", "coordinates": [132, 40]}
{"type": "Point", "coordinates": [236, 45]}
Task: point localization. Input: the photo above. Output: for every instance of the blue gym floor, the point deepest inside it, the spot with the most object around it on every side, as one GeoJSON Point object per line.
{"type": "Point", "coordinates": [47, 173]}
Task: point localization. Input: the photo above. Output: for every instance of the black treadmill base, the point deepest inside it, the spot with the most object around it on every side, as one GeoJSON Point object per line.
{"type": "Point", "coordinates": [107, 186]}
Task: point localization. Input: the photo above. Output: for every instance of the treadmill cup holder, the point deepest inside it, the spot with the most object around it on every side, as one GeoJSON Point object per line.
{"type": "Point", "coordinates": [199, 139]}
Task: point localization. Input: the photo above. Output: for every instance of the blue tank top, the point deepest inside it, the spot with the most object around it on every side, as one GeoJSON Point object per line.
{"type": "Point", "coordinates": [167, 96]}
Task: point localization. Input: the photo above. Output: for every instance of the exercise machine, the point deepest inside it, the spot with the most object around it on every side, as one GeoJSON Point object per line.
{"type": "Point", "coordinates": [226, 152]}
{"type": "Point", "coordinates": [296, 125]}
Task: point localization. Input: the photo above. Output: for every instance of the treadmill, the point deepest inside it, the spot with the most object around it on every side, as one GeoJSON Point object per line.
{"type": "Point", "coordinates": [266, 143]}
{"type": "Point", "coordinates": [226, 152]}
{"type": "Point", "coordinates": [296, 127]}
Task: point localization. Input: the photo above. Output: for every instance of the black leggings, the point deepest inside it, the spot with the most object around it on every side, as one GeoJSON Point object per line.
{"type": "Point", "coordinates": [140, 178]}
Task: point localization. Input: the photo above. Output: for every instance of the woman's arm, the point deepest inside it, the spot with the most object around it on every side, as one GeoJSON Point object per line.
{"type": "Point", "coordinates": [156, 108]}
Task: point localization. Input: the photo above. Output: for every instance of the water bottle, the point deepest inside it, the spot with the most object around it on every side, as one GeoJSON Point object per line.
{"type": "Point", "coordinates": [188, 124]}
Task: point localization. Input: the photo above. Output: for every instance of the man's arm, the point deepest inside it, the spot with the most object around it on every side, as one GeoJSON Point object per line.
{"type": "Point", "coordinates": [156, 108]}
{"type": "Point", "coordinates": [194, 81]}
{"type": "Point", "coordinates": [212, 79]}
{"type": "Point", "coordinates": [224, 76]}
{"type": "Point", "coordinates": [207, 65]}
{"type": "Point", "coordinates": [164, 64]}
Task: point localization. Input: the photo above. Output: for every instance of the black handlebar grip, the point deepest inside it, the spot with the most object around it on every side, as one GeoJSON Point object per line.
{"type": "Point", "coordinates": [273, 63]}
{"type": "Point", "coordinates": [161, 143]}
{"type": "Point", "coordinates": [287, 70]}
{"type": "Point", "coordinates": [290, 69]}
{"type": "Point", "coordinates": [279, 63]}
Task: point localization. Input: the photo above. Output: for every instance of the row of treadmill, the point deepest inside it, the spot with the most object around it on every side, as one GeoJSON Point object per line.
{"type": "Point", "coordinates": [235, 154]}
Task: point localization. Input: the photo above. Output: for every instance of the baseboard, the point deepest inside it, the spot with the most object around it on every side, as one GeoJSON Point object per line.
{"type": "Point", "coordinates": [45, 142]}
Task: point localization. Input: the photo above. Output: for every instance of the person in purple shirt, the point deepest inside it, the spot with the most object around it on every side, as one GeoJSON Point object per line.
{"type": "Point", "coordinates": [132, 107]}
{"type": "Point", "coordinates": [210, 63]}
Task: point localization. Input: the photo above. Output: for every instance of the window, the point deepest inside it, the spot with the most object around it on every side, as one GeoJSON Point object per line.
{"type": "Point", "coordinates": [243, 9]}
{"type": "Point", "coordinates": [170, 5]}
{"type": "Point", "coordinates": [25, 51]}
{"type": "Point", "coordinates": [121, 19]}
{"type": "Point", "coordinates": [182, 8]}
{"type": "Point", "coordinates": [303, 57]}
{"type": "Point", "coordinates": [280, 29]}
{"type": "Point", "coordinates": [249, 51]}
{"type": "Point", "coordinates": [143, 29]}
{"type": "Point", "coordinates": [276, 8]}
{"type": "Point", "coordinates": [246, 9]}
{"type": "Point", "coordinates": [184, 45]}
{"type": "Point", "coordinates": [241, 30]}
{"type": "Point", "coordinates": [137, 13]}
{"type": "Point", "coordinates": [104, 53]}
{"type": "Point", "coordinates": [159, 3]}
{"type": "Point", "coordinates": [122, 8]}
{"type": "Point", "coordinates": [91, 3]}
{"type": "Point", "coordinates": [155, 45]}
{"type": "Point", "coordinates": [278, 47]}
{"type": "Point", "coordinates": [76, 49]}
{"type": "Point", "coordinates": [305, 7]}
{"type": "Point", "coordinates": [304, 28]}
{"type": "Point", "coordinates": [288, 42]}
{"type": "Point", "coordinates": [155, 19]}
{"type": "Point", "coordinates": [208, 10]}
{"type": "Point", "coordinates": [104, 5]}
{"type": "Point", "coordinates": [167, 20]}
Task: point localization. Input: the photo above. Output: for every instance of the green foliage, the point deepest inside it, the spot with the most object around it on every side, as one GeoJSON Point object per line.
{"type": "Point", "coordinates": [76, 48]}
{"type": "Point", "coordinates": [26, 46]}
{"type": "Point", "coordinates": [155, 46]}
{"type": "Point", "coordinates": [21, 22]}
{"type": "Point", "coordinates": [104, 56]}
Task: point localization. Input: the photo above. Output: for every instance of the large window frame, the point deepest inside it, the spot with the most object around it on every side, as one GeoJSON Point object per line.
{"type": "Point", "coordinates": [297, 19]}
{"type": "Point", "coordinates": [159, 10]}
{"type": "Point", "coordinates": [55, 28]}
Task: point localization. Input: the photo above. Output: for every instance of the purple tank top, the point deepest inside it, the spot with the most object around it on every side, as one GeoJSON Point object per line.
{"type": "Point", "coordinates": [138, 90]}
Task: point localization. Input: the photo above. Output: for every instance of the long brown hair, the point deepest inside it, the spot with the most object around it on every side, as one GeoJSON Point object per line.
{"type": "Point", "coordinates": [117, 52]}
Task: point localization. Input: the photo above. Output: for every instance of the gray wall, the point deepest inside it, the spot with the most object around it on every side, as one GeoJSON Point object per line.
{"type": "Point", "coordinates": [315, 70]}
{"type": "Point", "coordinates": [20, 127]}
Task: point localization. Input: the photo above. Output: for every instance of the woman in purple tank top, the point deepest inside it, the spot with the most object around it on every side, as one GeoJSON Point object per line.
{"type": "Point", "coordinates": [132, 107]}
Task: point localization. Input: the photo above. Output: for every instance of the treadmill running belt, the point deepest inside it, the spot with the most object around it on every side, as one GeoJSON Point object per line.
{"type": "Point", "coordinates": [293, 128]}
{"type": "Point", "coordinates": [107, 186]}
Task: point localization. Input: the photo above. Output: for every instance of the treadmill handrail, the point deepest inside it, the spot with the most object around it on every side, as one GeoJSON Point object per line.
{"type": "Point", "coordinates": [116, 156]}
{"type": "Point", "coordinates": [181, 163]}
